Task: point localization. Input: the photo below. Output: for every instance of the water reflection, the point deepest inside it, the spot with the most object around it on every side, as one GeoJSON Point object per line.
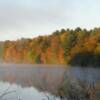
{"type": "Point", "coordinates": [30, 82]}
{"type": "Point", "coordinates": [16, 92]}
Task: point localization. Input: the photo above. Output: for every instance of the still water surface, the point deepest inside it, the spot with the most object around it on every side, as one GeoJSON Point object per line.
{"type": "Point", "coordinates": [40, 82]}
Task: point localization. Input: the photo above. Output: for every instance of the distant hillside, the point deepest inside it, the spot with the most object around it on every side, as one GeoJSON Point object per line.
{"type": "Point", "coordinates": [74, 47]}
{"type": "Point", "coordinates": [1, 51]}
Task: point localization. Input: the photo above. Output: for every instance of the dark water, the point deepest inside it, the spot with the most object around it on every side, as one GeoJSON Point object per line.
{"type": "Point", "coordinates": [41, 82]}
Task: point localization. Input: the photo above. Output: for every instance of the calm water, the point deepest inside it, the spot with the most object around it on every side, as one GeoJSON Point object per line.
{"type": "Point", "coordinates": [40, 82]}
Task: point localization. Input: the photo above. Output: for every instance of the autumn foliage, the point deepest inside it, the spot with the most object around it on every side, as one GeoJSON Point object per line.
{"type": "Point", "coordinates": [75, 47]}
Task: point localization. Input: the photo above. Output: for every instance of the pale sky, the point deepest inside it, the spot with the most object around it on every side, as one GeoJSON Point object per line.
{"type": "Point", "coordinates": [30, 18]}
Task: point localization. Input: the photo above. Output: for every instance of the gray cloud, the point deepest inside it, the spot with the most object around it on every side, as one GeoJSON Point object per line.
{"type": "Point", "coordinates": [30, 17]}
{"type": "Point", "coordinates": [24, 16]}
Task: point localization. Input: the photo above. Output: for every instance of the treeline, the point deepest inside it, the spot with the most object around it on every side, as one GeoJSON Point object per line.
{"type": "Point", "coordinates": [67, 46]}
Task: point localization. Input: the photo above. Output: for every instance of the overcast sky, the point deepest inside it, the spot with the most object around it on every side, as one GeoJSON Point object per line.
{"type": "Point", "coordinates": [30, 18]}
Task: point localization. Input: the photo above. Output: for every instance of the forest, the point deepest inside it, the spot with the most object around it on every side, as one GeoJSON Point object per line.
{"type": "Point", "coordinates": [78, 47]}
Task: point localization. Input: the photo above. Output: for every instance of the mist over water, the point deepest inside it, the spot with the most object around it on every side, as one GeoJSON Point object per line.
{"type": "Point", "coordinates": [38, 82]}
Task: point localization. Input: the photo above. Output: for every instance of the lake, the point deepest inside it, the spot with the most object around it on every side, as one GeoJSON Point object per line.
{"type": "Point", "coordinates": [46, 82]}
